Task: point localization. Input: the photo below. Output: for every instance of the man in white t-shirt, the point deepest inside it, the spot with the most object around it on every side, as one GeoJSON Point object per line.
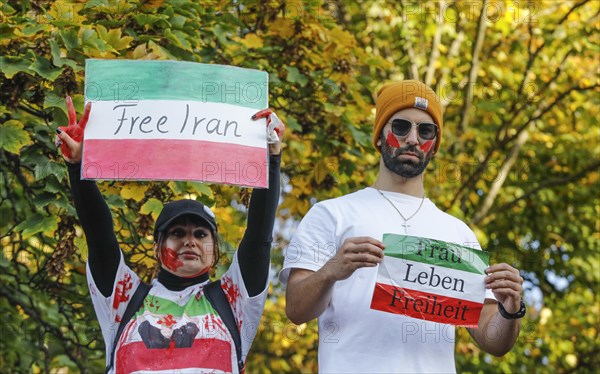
{"type": "Point", "coordinates": [331, 262]}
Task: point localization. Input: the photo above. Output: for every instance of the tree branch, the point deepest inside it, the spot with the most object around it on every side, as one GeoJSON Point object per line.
{"type": "Point", "coordinates": [453, 52]}
{"type": "Point", "coordinates": [530, 61]}
{"type": "Point", "coordinates": [578, 5]}
{"type": "Point", "coordinates": [550, 183]}
{"type": "Point", "coordinates": [499, 181]}
{"type": "Point", "coordinates": [413, 71]}
{"type": "Point", "coordinates": [435, 45]}
{"type": "Point", "coordinates": [35, 315]}
{"type": "Point", "coordinates": [503, 142]}
{"type": "Point", "coordinates": [33, 112]}
{"type": "Point", "coordinates": [542, 111]}
{"type": "Point", "coordinates": [474, 70]}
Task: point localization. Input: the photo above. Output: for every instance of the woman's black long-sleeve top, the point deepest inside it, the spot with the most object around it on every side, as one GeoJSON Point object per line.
{"type": "Point", "coordinates": [103, 248]}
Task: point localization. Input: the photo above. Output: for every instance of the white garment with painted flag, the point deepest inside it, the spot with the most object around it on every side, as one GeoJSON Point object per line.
{"type": "Point", "coordinates": [176, 331]}
{"type": "Point", "coordinates": [173, 120]}
{"type": "Point", "coordinates": [431, 280]}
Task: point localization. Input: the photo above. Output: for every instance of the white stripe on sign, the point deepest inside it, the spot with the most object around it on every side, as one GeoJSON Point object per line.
{"type": "Point", "coordinates": [180, 120]}
{"type": "Point", "coordinates": [431, 279]}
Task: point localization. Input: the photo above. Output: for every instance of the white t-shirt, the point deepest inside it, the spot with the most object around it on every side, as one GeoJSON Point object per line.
{"type": "Point", "coordinates": [352, 336]}
{"type": "Point", "coordinates": [176, 331]}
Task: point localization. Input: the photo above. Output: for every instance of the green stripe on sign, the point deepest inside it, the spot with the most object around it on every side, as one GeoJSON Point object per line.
{"type": "Point", "coordinates": [159, 305]}
{"type": "Point", "coordinates": [436, 252]}
{"type": "Point", "coordinates": [129, 81]}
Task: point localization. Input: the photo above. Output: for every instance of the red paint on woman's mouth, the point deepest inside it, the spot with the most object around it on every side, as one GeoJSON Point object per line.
{"type": "Point", "coordinates": [170, 260]}
{"type": "Point", "coordinates": [391, 140]}
{"type": "Point", "coordinates": [425, 147]}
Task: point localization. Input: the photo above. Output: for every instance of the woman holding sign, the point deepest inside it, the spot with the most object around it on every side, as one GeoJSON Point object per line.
{"type": "Point", "coordinates": [180, 321]}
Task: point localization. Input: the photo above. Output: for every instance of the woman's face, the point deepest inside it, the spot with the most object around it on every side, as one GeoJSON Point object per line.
{"type": "Point", "coordinates": [188, 250]}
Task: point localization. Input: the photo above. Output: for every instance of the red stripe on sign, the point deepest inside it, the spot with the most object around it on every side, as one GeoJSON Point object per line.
{"type": "Point", "coordinates": [167, 159]}
{"type": "Point", "coordinates": [207, 354]}
{"type": "Point", "coordinates": [427, 306]}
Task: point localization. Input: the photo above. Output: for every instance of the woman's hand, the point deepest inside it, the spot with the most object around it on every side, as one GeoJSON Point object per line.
{"type": "Point", "coordinates": [275, 130]}
{"type": "Point", "coordinates": [70, 138]}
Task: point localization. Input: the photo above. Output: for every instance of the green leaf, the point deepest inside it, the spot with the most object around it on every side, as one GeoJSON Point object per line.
{"type": "Point", "coordinates": [44, 199]}
{"type": "Point", "coordinates": [70, 38]}
{"type": "Point", "coordinates": [57, 59]}
{"type": "Point", "coordinates": [53, 185]}
{"type": "Point", "coordinates": [13, 138]}
{"type": "Point", "coordinates": [178, 187]}
{"type": "Point", "coordinates": [51, 168]}
{"type": "Point", "coordinates": [360, 137]}
{"type": "Point", "coordinates": [220, 34]}
{"type": "Point", "coordinates": [45, 69]}
{"type": "Point", "coordinates": [114, 38]}
{"type": "Point", "coordinates": [52, 100]}
{"type": "Point", "coordinates": [115, 201]}
{"type": "Point", "coordinates": [81, 245]}
{"type": "Point", "coordinates": [178, 21]}
{"type": "Point", "coordinates": [30, 30]}
{"type": "Point", "coordinates": [201, 188]}
{"type": "Point", "coordinates": [148, 19]}
{"type": "Point", "coordinates": [37, 223]}
{"type": "Point", "coordinates": [293, 124]}
{"type": "Point", "coordinates": [179, 39]}
{"type": "Point", "coordinates": [6, 31]}
{"type": "Point", "coordinates": [295, 76]}
{"type": "Point", "coordinates": [152, 206]}
{"type": "Point", "coordinates": [13, 65]}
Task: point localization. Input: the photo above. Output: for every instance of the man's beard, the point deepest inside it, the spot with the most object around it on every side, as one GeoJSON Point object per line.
{"type": "Point", "coordinates": [404, 168]}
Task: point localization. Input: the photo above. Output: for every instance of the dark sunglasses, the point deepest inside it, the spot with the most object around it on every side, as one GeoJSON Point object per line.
{"type": "Point", "coordinates": [426, 130]}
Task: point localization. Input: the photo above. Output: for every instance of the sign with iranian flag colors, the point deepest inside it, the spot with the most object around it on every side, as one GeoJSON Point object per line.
{"type": "Point", "coordinates": [431, 280]}
{"type": "Point", "coordinates": [173, 120]}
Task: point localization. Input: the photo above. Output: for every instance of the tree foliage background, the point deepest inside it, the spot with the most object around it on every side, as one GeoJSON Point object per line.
{"type": "Point", "coordinates": [519, 161]}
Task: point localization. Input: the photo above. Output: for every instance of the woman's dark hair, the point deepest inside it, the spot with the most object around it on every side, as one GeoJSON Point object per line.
{"type": "Point", "coordinates": [161, 240]}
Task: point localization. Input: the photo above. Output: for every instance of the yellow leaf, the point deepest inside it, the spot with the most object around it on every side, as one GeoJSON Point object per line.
{"type": "Point", "coordinates": [325, 167]}
{"type": "Point", "coordinates": [283, 27]}
{"type": "Point", "coordinates": [140, 52]}
{"type": "Point", "coordinates": [134, 191]}
{"type": "Point", "coordinates": [252, 41]}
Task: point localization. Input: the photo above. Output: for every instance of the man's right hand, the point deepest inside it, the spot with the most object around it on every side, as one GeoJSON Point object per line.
{"type": "Point", "coordinates": [355, 253]}
{"type": "Point", "coordinates": [70, 138]}
{"type": "Point", "coordinates": [308, 293]}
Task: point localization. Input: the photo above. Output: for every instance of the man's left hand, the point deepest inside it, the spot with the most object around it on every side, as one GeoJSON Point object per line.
{"type": "Point", "coordinates": [506, 284]}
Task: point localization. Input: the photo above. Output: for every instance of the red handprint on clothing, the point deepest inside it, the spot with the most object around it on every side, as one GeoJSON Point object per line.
{"type": "Point", "coordinates": [123, 286]}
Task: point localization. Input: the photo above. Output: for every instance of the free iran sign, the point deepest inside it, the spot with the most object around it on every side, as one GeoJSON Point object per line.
{"type": "Point", "coordinates": [172, 120]}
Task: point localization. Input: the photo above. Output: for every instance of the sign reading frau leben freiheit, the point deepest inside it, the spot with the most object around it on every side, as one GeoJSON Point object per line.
{"type": "Point", "coordinates": [172, 120]}
{"type": "Point", "coordinates": [431, 280]}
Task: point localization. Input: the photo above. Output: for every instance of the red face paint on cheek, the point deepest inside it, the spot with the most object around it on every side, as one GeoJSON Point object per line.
{"type": "Point", "coordinates": [425, 147]}
{"type": "Point", "coordinates": [391, 140]}
{"type": "Point", "coordinates": [170, 260]}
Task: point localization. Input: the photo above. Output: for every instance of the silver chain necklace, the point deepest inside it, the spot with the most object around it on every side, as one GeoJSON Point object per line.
{"type": "Point", "coordinates": [405, 224]}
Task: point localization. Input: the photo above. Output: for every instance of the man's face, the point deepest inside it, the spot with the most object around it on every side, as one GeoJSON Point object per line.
{"type": "Point", "coordinates": [406, 155]}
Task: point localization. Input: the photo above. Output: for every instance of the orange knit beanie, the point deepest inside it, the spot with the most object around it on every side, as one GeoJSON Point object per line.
{"type": "Point", "coordinates": [406, 94]}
